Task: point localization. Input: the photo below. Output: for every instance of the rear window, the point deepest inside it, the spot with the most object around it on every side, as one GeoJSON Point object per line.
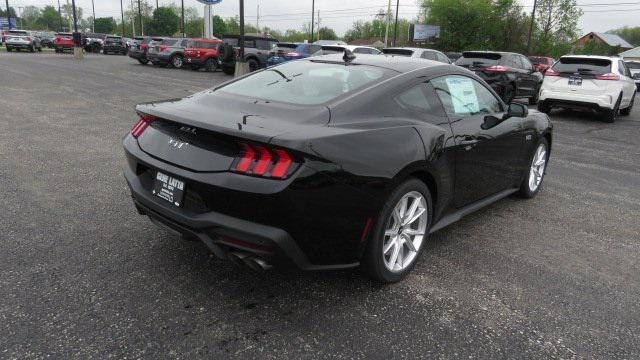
{"type": "Point", "coordinates": [306, 82]}
{"type": "Point", "coordinates": [332, 49]}
{"type": "Point", "coordinates": [585, 66]}
{"type": "Point", "coordinates": [538, 59]}
{"type": "Point", "coordinates": [113, 38]}
{"type": "Point", "coordinates": [479, 59]}
{"type": "Point", "coordinates": [287, 46]}
{"type": "Point", "coordinates": [401, 52]}
{"type": "Point", "coordinates": [17, 32]}
{"type": "Point", "coordinates": [169, 42]}
{"type": "Point", "coordinates": [633, 65]}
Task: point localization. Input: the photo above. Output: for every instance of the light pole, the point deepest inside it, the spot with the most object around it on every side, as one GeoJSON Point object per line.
{"type": "Point", "coordinates": [533, 18]}
{"type": "Point", "coordinates": [395, 27]}
{"type": "Point", "coordinates": [77, 37]}
{"type": "Point", "coordinates": [386, 32]}
{"type": "Point", "coordinates": [182, 19]}
{"type": "Point", "coordinates": [140, 18]}
{"type": "Point", "coordinates": [93, 22]}
{"type": "Point", "coordinates": [8, 15]}
{"type": "Point", "coordinates": [313, 13]}
{"type": "Point", "coordinates": [59, 17]}
{"type": "Point", "coordinates": [122, 17]}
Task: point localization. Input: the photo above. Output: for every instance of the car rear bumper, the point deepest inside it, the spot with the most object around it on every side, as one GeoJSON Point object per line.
{"type": "Point", "coordinates": [139, 55]}
{"type": "Point", "coordinates": [19, 45]}
{"type": "Point", "coordinates": [570, 99]}
{"type": "Point", "coordinates": [112, 48]}
{"type": "Point", "coordinates": [158, 59]}
{"type": "Point", "coordinates": [225, 233]}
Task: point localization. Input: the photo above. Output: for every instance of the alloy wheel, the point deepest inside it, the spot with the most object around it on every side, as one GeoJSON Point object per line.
{"type": "Point", "coordinates": [405, 231]}
{"type": "Point", "coordinates": [538, 165]}
{"type": "Point", "coordinates": [177, 62]}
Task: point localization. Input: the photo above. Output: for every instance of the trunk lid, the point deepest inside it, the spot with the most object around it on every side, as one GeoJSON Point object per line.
{"type": "Point", "coordinates": [203, 132]}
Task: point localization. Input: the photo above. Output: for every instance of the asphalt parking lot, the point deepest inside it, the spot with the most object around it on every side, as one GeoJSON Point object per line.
{"type": "Point", "coordinates": [82, 275]}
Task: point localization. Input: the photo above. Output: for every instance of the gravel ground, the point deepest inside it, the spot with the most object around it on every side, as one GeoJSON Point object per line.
{"type": "Point", "coordinates": [82, 275]}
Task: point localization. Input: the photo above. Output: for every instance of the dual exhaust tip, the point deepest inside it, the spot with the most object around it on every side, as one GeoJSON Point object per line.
{"type": "Point", "coordinates": [246, 260]}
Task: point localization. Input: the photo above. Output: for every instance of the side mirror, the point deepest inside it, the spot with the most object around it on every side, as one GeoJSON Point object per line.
{"type": "Point", "coordinates": [516, 110]}
{"type": "Point", "coordinates": [636, 76]}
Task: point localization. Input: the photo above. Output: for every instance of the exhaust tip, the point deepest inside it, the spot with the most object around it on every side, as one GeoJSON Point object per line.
{"type": "Point", "coordinates": [257, 264]}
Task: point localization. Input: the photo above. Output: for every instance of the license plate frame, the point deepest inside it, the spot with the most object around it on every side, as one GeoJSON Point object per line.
{"type": "Point", "coordinates": [575, 81]}
{"type": "Point", "coordinates": [169, 188]}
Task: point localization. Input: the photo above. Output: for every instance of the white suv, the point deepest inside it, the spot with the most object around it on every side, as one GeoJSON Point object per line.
{"type": "Point", "coordinates": [601, 83]}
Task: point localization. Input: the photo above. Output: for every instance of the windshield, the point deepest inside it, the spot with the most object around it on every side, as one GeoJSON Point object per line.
{"type": "Point", "coordinates": [479, 59]}
{"type": "Point", "coordinates": [401, 52]}
{"type": "Point", "coordinates": [305, 82]}
{"type": "Point", "coordinates": [579, 65]}
{"type": "Point", "coordinates": [332, 49]}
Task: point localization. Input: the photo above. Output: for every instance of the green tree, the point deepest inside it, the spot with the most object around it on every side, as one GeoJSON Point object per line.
{"type": "Point", "coordinates": [165, 22]}
{"type": "Point", "coordinates": [326, 33]}
{"type": "Point", "coordinates": [194, 28]}
{"type": "Point", "coordinates": [219, 26]}
{"type": "Point", "coordinates": [30, 16]}
{"type": "Point", "coordinates": [49, 19]}
{"type": "Point", "coordinates": [557, 26]}
{"type": "Point", "coordinates": [105, 25]}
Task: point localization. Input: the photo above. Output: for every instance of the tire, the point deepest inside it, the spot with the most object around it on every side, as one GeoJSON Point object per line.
{"type": "Point", "coordinates": [627, 111]}
{"type": "Point", "coordinates": [105, 52]}
{"type": "Point", "coordinates": [229, 70]}
{"type": "Point", "coordinates": [9, 49]}
{"type": "Point", "coordinates": [609, 116]}
{"type": "Point", "coordinates": [532, 182]}
{"type": "Point", "coordinates": [253, 64]}
{"type": "Point", "coordinates": [544, 107]}
{"type": "Point", "coordinates": [143, 61]}
{"type": "Point", "coordinates": [225, 52]}
{"type": "Point", "coordinates": [534, 99]}
{"type": "Point", "coordinates": [176, 61]}
{"type": "Point", "coordinates": [379, 264]}
{"type": "Point", "coordinates": [211, 65]}
{"type": "Point", "coordinates": [40, 49]}
{"type": "Point", "coordinates": [32, 49]}
{"type": "Point", "coordinates": [508, 94]}
{"type": "Point", "coordinates": [95, 48]}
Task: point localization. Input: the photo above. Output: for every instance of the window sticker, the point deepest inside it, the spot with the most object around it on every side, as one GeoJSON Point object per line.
{"type": "Point", "coordinates": [463, 95]}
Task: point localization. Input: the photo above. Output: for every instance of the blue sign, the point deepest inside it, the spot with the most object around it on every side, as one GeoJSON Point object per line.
{"type": "Point", "coordinates": [209, 2]}
{"type": "Point", "coordinates": [4, 24]}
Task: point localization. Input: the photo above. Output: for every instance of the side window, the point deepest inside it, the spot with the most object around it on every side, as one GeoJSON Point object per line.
{"type": "Point", "coordinates": [184, 42]}
{"type": "Point", "coordinates": [361, 51]}
{"type": "Point", "coordinates": [526, 64]}
{"type": "Point", "coordinates": [375, 51]}
{"type": "Point", "coordinates": [462, 96]}
{"type": "Point", "coordinates": [420, 98]}
{"type": "Point", "coordinates": [430, 55]}
{"type": "Point", "coordinates": [443, 58]}
{"type": "Point", "coordinates": [623, 69]}
{"type": "Point", "coordinates": [249, 43]}
{"type": "Point", "coordinates": [514, 61]}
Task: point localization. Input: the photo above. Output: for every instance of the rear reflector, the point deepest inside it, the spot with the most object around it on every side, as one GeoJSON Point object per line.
{"type": "Point", "coordinates": [260, 161]}
{"type": "Point", "coordinates": [139, 127]}
{"type": "Point", "coordinates": [609, 76]}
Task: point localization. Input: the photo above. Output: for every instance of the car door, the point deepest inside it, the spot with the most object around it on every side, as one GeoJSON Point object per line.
{"type": "Point", "coordinates": [530, 78]}
{"type": "Point", "coordinates": [487, 160]}
{"type": "Point", "coordinates": [629, 85]}
{"type": "Point", "coordinates": [516, 67]}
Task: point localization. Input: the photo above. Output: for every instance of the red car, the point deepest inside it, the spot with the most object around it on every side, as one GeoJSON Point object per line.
{"type": "Point", "coordinates": [63, 41]}
{"type": "Point", "coordinates": [202, 53]}
{"type": "Point", "coordinates": [541, 63]}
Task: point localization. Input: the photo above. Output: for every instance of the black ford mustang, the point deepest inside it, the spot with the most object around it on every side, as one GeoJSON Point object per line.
{"type": "Point", "coordinates": [332, 162]}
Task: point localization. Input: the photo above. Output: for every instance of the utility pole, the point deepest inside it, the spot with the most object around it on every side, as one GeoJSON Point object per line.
{"type": "Point", "coordinates": [59, 17]}
{"type": "Point", "coordinates": [157, 6]}
{"type": "Point", "coordinates": [395, 27]}
{"type": "Point", "coordinates": [133, 22]}
{"type": "Point", "coordinates": [122, 17]}
{"type": "Point", "coordinates": [93, 22]}
{"type": "Point", "coordinates": [77, 37]}
{"type": "Point", "coordinates": [386, 33]}
{"type": "Point", "coordinates": [318, 24]}
{"type": "Point", "coordinates": [242, 67]}
{"type": "Point", "coordinates": [8, 15]}
{"type": "Point", "coordinates": [182, 20]}
{"type": "Point", "coordinates": [313, 20]}
{"type": "Point", "coordinates": [258, 20]}
{"type": "Point", "coordinates": [140, 18]}
{"type": "Point", "coordinates": [533, 18]}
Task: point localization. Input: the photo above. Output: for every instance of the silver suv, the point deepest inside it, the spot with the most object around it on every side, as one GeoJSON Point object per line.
{"type": "Point", "coordinates": [169, 52]}
{"type": "Point", "coordinates": [22, 39]}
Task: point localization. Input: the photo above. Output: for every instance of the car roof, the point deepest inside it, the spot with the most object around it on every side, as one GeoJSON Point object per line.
{"type": "Point", "coordinates": [591, 57]}
{"type": "Point", "coordinates": [252, 37]}
{"type": "Point", "coordinates": [397, 63]}
{"type": "Point", "coordinates": [409, 48]}
{"type": "Point", "coordinates": [348, 47]}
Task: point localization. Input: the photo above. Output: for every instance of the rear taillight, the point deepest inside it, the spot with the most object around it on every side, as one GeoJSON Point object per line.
{"type": "Point", "coordinates": [550, 72]}
{"type": "Point", "coordinates": [162, 48]}
{"type": "Point", "coordinates": [495, 68]}
{"type": "Point", "coordinates": [139, 127]}
{"type": "Point", "coordinates": [260, 161]}
{"type": "Point", "coordinates": [28, 38]}
{"type": "Point", "coordinates": [609, 76]}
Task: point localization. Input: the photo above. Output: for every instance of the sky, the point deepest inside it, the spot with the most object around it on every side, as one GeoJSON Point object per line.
{"type": "Point", "coordinates": [340, 14]}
